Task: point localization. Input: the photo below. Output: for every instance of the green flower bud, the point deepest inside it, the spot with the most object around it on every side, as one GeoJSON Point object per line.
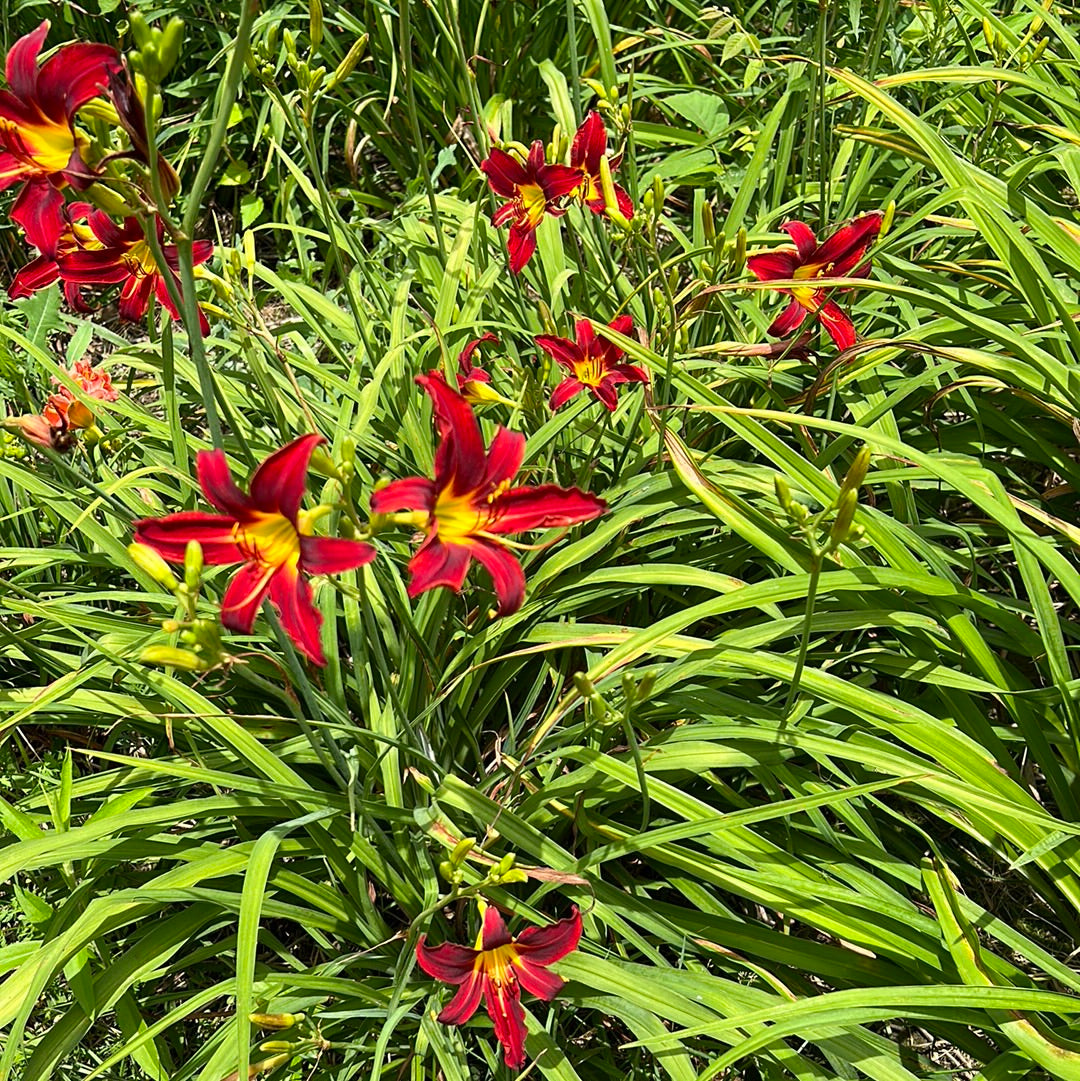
{"type": "Point", "coordinates": [171, 657]}
{"type": "Point", "coordinates": [853, 481]}
{"type": "Point", "coordinates": [193, 566]}
{"type": "Point", "coordinates": [172, 37]}
{"type": "Point", "coordinates": [783, 492]}
{"type": "Point", "coordinates": [845, 515]}
{"type": "Point", "coordinates": [148, 560]}
{"type": "Point", "coordinates": [275, 1020]}
{"type": "Point", "coordinates": [345, 68]}
{"type": "Point", "coordinates": [315, 23]}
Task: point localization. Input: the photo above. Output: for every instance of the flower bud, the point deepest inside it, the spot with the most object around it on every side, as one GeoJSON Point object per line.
{"type": "Point", "coordinates": [315, 23]}
{"type": "Point", "coordinates": [140, 29]}
{"type": "Point", "coordinates": [171, 626]}
{"type": "Point", "coordinates": [783, 492]}
{"type": "Point", "coordinates": [857, 473]}
{"type": "Point", "coordinates": [275, 1020]}
{"type": "Point", "coordinates": [193, 566]}
{"type": "Point", "coordinates": [149, 561]}
{"type": "Point", "coordinates": [462, 849]}
{"type": "Point", "coordinates": [611, 202]}
{"type": "Point", "coordinates": [168, 50]}
{"type": "Point", "coordinates": [645, 685]}
{"type": "Point", "coordinates": [276, 1045]}
{"type": "Point", "coordinates": [887, 219]}
{"type": "Point", "coordinates": [629, 686]}
{"type": "Point", "coordinates": [738, 260]}
{"type": "Point", "coordinates": [658, 193]}
{"type": "Point", "coordinates": [708, 225]}
{"type": "Point", "coordinates": [345, 68]}
{"type": "Point", "coordinates": [584, 685]}
{"type": "Point", "coordinates": [845, 515]}
{"type": "Point", "coordinates": [171, 657]}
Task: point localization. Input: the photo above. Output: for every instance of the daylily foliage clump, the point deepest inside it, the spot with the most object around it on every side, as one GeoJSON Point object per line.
{"type": "Point", "coordinates": [463, 487]}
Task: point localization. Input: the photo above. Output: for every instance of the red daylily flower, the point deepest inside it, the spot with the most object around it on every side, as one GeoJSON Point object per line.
{"type": "Point", "coordinates": [841, 256]}
{"type": "Point", "coordinates": [497, 969]}
{"type": "Point", "coordinates": [532, 190]}
{"type": "Point", "coordinates": [586, 151]}
{"type": "Point", "coordinates": [473, 382]}
{"type": "Point", "coordinates": [593, 363]}
{"type": "Point", "coordinates": [38, 141]}
{"type": "Point", "coordinates": [44, 270]}
{"type": "Point", "coordinates": [267, 532]}
{"type": "Point", "coordinates": [470, 506]}
{"type": "Point", "coordinates": [121, 256]}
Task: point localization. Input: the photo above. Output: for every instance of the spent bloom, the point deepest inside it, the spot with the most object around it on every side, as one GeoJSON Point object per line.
{"type": "Point", "coordinates": [497, 969]}
{"type": "Point", "coordinates": [842, 255]}
{"type": "Point", "coordinates": [39, 144]}
{"type": "Point", "coordinates": [588, 149]}
{"type": "Point", "coordinates": [592, 362]}
{"type": "Point", "coordinates": [470, 507]}
{"type": "Point", "coordinates": [120, 255]}
{"type": "Point", "coordinates": [268, 533]}
{"type": "Point", "coordinates": [64, 414]}
{"type": "Point", "coordinates": [531, 190]}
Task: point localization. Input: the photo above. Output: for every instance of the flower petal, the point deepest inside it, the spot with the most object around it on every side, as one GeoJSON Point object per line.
{"type": "Point", "coordinates": [788, 320]}
{"type": "Point", "coordinates": [840, 327]}
{"type": "Point", "coordinates": [438, 564]}
{"type": "Point", "coordinates": [465, 356]}
{"type": "Point", "coordinates": [97, 266]}
{"type": "Point", "coordinates": [536, 980]}
{"type": "Point", "coordinates": [412, 493]}
{"type": "Point", "coordinates": [771, 265]}
{"type": "Point", "coordinates": [244, 597]}
{"type": "Point", "coordinates": [606, 394]}
{"type": "Point", "coordinates": [278, 485]}
{"type": "Point", "coordinates": [73, 75]}
{"type": "Point", "coordinates": [461, 457]}
{"type": "Point", "coordinates": [504, 172]}
{"type": "Point", "coordinates": [848, 244]}
{"type": "Point", "coordinates": [504, 458]}
{"type": "Point", "coordinates": [494, 933]}
{"type": "Point", "coordinates": [590, 144]}
{"type": "Point", "coordinates": [463, 1005]}
{"type": "Point", "coordinates": [503, 1004]}
{"type": "Point", "coordinates": [39, 209]}
{"type": "Point", "coordinates": [561, 350]}
{"type": "Point", "coordinates": [169, 536]}
{"type": "Point", "coordinates": [546, 945]}
{"type": "Point", "coordinates": [35, 275]}
{"type": "Point", "coordinates": [520, 245]}
{"type": "Point", "coordinates": [290, 593]}
{"type": "Point", "coordinates": [21, 67]}
{"type": "Point", "coordinates": [566, 390]}
{"type": "Point", "coordinates": [546, 506]}
{"type": "Point", "coordinates": [556, 181]}
{"type": "Point", "coordinates": [449, 962]}
{"type": "Point", "coordinates": [135, 297]}
{"type": "Point", "coordinates": [332, 555]}
{"type": "Point", "coordinates": [507, 578]}
{"type": "Point", "coordinates": [216, 481]}
{"type": "Point", "coordinates": [804, 238]}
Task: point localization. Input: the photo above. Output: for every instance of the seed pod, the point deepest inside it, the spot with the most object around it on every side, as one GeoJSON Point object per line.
{"type": "Point", "coordinates": [148, 560]}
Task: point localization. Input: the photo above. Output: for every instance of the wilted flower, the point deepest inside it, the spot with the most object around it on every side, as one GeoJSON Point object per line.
{"type": "Point", "coordinates": [593, 363]}
{"type": "Point", "coordinates": [841, 256]}
{"type": "Point", "coordinates": [496, 970]}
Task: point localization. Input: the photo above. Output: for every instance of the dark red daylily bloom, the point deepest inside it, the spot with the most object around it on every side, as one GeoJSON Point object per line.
{"type": "Point", "coordinates": [41, 272]}
{"type": "Point", "coordinates": [470, 506]}
{"type": "Point", "coordinates": [473, 382]}
{"type": "Point", "coordinates": [841, 256]}
{"type": "Point", "coordinates": [592, 361]}
{"type": "Point", "coordinates": [38, 141]}
{"type": "Point", "coordinates": [586, 152]}
{"type": "Point", "coordinates": [121, 256]}
{"type": "Point", "coordinates": [532, 189]}
{"type": "Point", "coordinates": [266, 531]}
{"type": "Point", "coordinates": [496, 970]}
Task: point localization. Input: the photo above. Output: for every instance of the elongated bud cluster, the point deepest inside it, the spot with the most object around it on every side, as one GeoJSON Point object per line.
{"type": "Point", "coordinates": [158, 48]}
